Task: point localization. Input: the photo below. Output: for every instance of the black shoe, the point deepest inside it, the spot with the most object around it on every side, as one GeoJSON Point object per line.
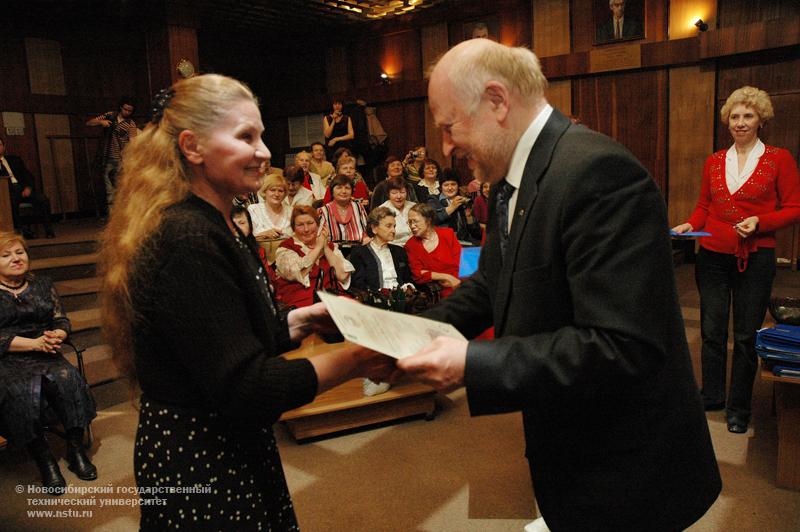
{"type": "Point", "coordinates": [79, 463]}
{"type": "Point", "coordinates": [737, 426]}
{"type": "Point", "coordinates": [52, 479]}
{"type": "Point", "coordinates": [712, 407]}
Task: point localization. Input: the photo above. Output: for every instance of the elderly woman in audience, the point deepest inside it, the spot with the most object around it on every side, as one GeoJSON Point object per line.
{"type": "Point", "coordinates": [394, 168]}
{"type": "Point", "coordinates": [271, 215]}
{"type": "Point", "coordinates": [296, 193]}
{"type": "Point", "coordinates": [455, 211]}
{"type": "Point", "coordinates": [434, 253]}
{"type": "Point", "coordinates": [303, 259]}
{"type": "Point", "coordinates": [399, 205]}
{"type": "Point", "coordinates": [342, 218]}
{"type": "Point", "coordinates": [429, 184]}
{"type": "Point", "coordinates": [347, 167]}
{"type": "Point", "coordinates": [33, 373]}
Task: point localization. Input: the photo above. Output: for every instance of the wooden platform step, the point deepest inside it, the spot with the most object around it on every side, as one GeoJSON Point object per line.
{"type": "Point", "coordinates": [79, 294]}
{"type": "Point", "coordinates": [98, 364]}
{"type": "Point", "coordinates": [84, 319]}
{"type": "Point", "coordinates": [67, 267]}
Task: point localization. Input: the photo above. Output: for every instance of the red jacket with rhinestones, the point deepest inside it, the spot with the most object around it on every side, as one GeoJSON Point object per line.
{"type": "Point", "coordinates": [772, 193]}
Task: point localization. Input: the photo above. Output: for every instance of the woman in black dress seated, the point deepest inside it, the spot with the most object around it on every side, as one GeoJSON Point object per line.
{"type": "Point", "coordinates": [35, 379]}
{"type": "Point", "coordinates": [187, 303]}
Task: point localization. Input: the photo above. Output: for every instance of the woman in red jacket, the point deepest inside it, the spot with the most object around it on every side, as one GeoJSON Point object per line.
{"type": "Point", "coordinates": [748, 191]}
{"type": "Point", "coordinates": [434, 253]}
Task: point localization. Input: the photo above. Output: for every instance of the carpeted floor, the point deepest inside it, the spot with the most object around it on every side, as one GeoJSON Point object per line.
{"type": "Point", "coordinates": [454, 473]}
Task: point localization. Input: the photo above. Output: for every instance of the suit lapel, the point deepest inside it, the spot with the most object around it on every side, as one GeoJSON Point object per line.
{"type": "Point", "coordinates": [535, 168]}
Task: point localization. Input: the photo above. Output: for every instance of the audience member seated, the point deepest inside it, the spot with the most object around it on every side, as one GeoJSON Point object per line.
{"type": "Point", "coordinates": [240, 217]}
{"type": "Point", "coordinates": [480, 206]}
{"type": "Point", "coordinates": [347, 166]}
{"type": "Point", "coordinates": [394, 168]}
{"type": "Point", "coordinates": [22, 190]}
{"type": "Point", "coordinates": [414, 162]}
{"type": "Point", "coordinates": [319, 165]}
{"type": "Point", "coordinates": [38, 386]}
{"type": "Point", "coordinates": [296, 194]}
{"type": "Point", "coordinates": [429, 184]}
{"type": "Point", "coordinates": [380, 264]}
{"type": "Point", "coordinates": [301, 260]}
{"type": "Point", "coordinates": [311, 180]}
{"type": "Point", "coordinates": [399, 205]}
{"type": "Point", "coordinates": [271, 215]}
{"type": "Point", "coordinates": [455, 211]}
{"type": "Point", "coordinates": [434, 253]}
{"type": "Point", "coordinates": [344, 219]}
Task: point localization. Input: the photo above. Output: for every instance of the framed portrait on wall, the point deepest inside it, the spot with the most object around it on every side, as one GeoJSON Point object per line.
{"type": "Point", "coordinates": [487, 27]}
{"type": "Point", "coordinates": [617, 20]}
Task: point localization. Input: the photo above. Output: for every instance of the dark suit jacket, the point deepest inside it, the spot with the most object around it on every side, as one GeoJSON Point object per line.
{"type": "Point", "coordinates": [631, 27]}
{"type": "Point", "coordinates": [368, 272]}
{"type": "Point", "coordinates": [590, 343]}
{"type": "Point", "coordinates": [21, 172]}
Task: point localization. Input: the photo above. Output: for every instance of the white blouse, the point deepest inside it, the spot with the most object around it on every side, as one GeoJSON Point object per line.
{"type": "Point", "coordinates": [262, 221]}
{"type": "Point", "coordinates": [735, 179]}
{"type": "Point", "coordinates": [387, 264]}
{"type": "Point", "coordinates": [402, 232]}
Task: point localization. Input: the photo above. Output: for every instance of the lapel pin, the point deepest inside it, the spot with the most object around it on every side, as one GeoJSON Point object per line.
{"type": "Point", "coordinates": [521, 212]}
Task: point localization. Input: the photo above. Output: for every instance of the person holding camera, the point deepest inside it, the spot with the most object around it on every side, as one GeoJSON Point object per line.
{"type": "Point", "coordinates": [455, 211]}
{"type": "Point", "coordinates": [414, 163]}
{"type": "Point", "coordinates": [338, 129]}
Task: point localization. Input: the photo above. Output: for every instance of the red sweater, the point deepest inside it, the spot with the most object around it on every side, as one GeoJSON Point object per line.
{"type": "Point", "coordinates": [445, 258]}
{"type": "Point", "coordinates": [772, 193]}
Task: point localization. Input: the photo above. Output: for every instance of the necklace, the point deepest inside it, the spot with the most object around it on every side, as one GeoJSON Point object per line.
{"type": "Point", "coordinates": [11, 287]}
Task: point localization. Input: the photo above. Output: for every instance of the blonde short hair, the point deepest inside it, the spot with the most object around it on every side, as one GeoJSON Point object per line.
{"type": "Point", "coordinates": [8, 238]}
{"type": "Point", "coordinates": [270, 181]}
{"type": "Point", "coordinates": [752, 97]}
{"type": "Point", "coordinates": [517, 68]}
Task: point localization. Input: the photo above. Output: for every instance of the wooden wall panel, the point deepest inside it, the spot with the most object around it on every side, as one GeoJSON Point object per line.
{"type": "Point", "coordinates": [434, 44]}
{"type": "Point", "coordinates": [691, 134]}
{"type": "Point", "coordinates": [182, 45]}
{"type": "Point", "coordinates": [739, 12]}
{"type": "Point", "coordinates": [551, 32]}
{"type": "Point", "coordinates": [631, 108]}
{"type": "Point", "coordinates": [337, 69]}
{"type": "Point", "coordinates": [397, 54]}
{"type": "Point", "coordinates": [684, 13]}
{"type": "Point", "coordinates": [45, 67]}
{"type": "Point", "coordinates": [58, 166]}
{"type": "Point", "coordinates": [404, 123]}
{"type": "Point", "coordinates": [559, 94]}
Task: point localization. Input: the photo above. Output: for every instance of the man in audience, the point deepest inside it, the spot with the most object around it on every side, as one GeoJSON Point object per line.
{"type": "Point", "coordinates": [319, 165]}
{"type": "Point", "coordinates": [119, 130]}
{"type": "Point", "coordinates": [21, 190]}
{"type": "Point", "coordinates": [576, 278]}
{"type": "Point", "coordinates": [311, 180]}
{"type": "Point", "coordinates": [296, 193]}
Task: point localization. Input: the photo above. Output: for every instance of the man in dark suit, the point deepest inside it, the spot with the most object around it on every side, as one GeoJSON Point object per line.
{"type": "Point", "coordinates": [22, 191]}
{"type": "Point", "coordinates": [589, 340]}
{"type": "Point", "coordinates": [619, 26]}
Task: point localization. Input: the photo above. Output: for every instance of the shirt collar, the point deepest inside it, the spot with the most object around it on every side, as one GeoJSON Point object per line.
{"type": "Point", "coordinates": [525, 145]}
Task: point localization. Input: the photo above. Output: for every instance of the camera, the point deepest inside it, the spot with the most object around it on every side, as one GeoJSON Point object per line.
{"type": "Point", "coordinates": [414, 154]}
{"type": "Point", "coordinates": [468, 203]}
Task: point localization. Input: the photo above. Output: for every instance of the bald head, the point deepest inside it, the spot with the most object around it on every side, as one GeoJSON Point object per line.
{"type": "Point", "coordinates": [470, 65]}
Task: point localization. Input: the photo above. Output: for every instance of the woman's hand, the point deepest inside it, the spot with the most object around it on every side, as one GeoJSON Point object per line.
{"type": "Point", "coordinates": [49, 342]}
{"type": "Point", "coordinates": [375, 366]}
{"type": "Point", "coordinates": [308, 320]}
{"type": "Point", "coordinates": [270, 234]}
{"type": "Point", "coordinates": [747, 227]}
{"type": "Point", "coordinates": [450, 281]}
{"type": "Point", "coordinates": [683, 228]}
{"type": "Point", "coordinates": [333, 141]}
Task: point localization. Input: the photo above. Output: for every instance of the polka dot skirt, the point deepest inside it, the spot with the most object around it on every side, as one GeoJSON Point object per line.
{"type": "Point", "coordinates": [223, 477]}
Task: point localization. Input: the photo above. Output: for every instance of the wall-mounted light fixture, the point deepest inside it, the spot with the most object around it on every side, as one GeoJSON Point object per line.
{"type": "Point", "coordinates": [702, 26]}
{"type": "Point", "coordinates": [385, 78]}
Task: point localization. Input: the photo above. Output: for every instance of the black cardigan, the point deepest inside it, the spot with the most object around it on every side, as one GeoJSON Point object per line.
{"type": "Point", "coordinates": [205, 334]}
{"type": "Point", "coordinates": [368, 275]}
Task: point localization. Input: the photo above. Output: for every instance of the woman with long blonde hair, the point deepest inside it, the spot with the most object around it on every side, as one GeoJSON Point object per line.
{"type": "Point", "coordinates": [189, 311]}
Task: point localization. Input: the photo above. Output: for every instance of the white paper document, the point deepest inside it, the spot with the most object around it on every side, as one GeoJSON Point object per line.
{"type": "Point", "coordinates": [391, 333]}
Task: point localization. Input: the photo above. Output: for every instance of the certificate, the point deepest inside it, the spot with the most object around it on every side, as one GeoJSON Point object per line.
{"type": "Point", "coordinates": [391, 333]}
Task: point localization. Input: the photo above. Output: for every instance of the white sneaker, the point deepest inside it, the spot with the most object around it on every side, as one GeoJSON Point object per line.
{"type": "Point", "coordinates": [537, 526]}
{"type": "Point", "coordinates": [375, 388]}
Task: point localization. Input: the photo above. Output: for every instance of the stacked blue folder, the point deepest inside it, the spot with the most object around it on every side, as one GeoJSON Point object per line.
{"type": "Point", "coordinates": [779, 346]}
